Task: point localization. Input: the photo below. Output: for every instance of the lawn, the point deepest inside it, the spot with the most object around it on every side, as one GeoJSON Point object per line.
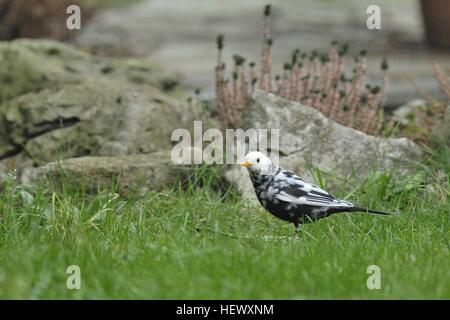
{"type": "Point", "coordinates": [202, 241]}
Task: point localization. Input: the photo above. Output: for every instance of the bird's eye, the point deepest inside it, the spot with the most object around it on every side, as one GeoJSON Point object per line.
{"type": "Point", "coordinates": [257, 160]}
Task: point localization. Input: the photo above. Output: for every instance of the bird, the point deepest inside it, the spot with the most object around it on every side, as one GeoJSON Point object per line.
{"type": "Point", "coordinates": [289, 198]}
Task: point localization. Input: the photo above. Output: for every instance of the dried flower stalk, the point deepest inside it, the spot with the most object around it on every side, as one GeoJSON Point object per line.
{"type": "Point", "coordinates": [315, 79]}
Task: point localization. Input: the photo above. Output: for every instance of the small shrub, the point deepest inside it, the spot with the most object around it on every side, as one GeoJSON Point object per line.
{"type": "Point", "coordinates": [314, 79]}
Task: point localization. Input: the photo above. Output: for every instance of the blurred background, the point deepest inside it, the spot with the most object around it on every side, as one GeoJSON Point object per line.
{"type": "Point", "coordinates": [179, 35]}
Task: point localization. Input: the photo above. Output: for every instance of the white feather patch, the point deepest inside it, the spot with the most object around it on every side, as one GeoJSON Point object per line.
{"type": "Point", "coordinates": [305, 200]}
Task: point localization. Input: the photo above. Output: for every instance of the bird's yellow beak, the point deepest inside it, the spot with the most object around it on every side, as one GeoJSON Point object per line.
{"type": "Point", "coordinates": [246, 163]}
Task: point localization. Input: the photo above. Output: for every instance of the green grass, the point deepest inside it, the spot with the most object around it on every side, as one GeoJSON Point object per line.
{"type": "Point", "coordinates": [203, 242]}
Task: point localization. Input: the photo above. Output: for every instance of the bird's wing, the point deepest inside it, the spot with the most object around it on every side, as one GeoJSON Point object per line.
{"type": "Point", "coordinates": [290, 188]}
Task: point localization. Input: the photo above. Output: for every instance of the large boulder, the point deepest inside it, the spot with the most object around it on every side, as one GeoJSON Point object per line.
{"type": "Point", "coordinates": [131, 174]}
{"type": "Point", "coordinates": [57, 102]}
{"type": "Point", "coordinates": [90, 118]}
{"type": "Point", "coordinates": [309, 140]}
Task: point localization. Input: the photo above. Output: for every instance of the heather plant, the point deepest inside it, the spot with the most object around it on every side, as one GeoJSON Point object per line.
{"type": "Point", "coordinates": [423, 120]}
{"type": "Point", "coordinates": [443, 79]}
{"type": "Point", "coordinates": [315, 79]}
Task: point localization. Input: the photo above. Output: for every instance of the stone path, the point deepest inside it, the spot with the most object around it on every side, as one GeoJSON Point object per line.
{"type": "Point", "coordinates": [180, 35]}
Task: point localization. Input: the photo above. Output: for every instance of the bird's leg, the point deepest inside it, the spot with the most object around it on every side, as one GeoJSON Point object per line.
{"type": "Point", "coordinates": [298, 227]}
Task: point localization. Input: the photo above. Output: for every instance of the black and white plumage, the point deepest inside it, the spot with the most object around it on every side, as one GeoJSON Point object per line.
{"type": "Point", "coordinates": [288, 197]}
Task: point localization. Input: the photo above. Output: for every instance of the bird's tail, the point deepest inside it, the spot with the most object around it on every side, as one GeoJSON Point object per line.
{"type": "Point", "coordinates": [359, 209]}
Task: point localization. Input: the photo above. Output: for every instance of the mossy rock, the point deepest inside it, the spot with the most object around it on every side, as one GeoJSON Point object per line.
{"type": "Point", "coordinates": [33, 65]}
{"type": "Point", "coordinates": [57, 102]}
{"type": "Point", "coordinates": [90, 118]}
{"type": "Point", "coordinates": [131, 175]}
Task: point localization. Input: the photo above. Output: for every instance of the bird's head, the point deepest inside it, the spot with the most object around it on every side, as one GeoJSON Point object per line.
{"type": "Point", "coordinates": [258, 163]}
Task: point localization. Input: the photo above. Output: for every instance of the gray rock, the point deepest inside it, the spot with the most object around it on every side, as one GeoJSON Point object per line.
{"type": "Point", "coordinates": [441, 132]}
{"type": "Point", "coordinates": [132, 174]}
{"type": "Point", "coordinates": [90, 118]}
{"type": "Point", "coordinates": [309, 140]}
{"type": "Point", "coordinates": [405, 113]}
{"type": "Point", "coordinates": [57, 102]}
